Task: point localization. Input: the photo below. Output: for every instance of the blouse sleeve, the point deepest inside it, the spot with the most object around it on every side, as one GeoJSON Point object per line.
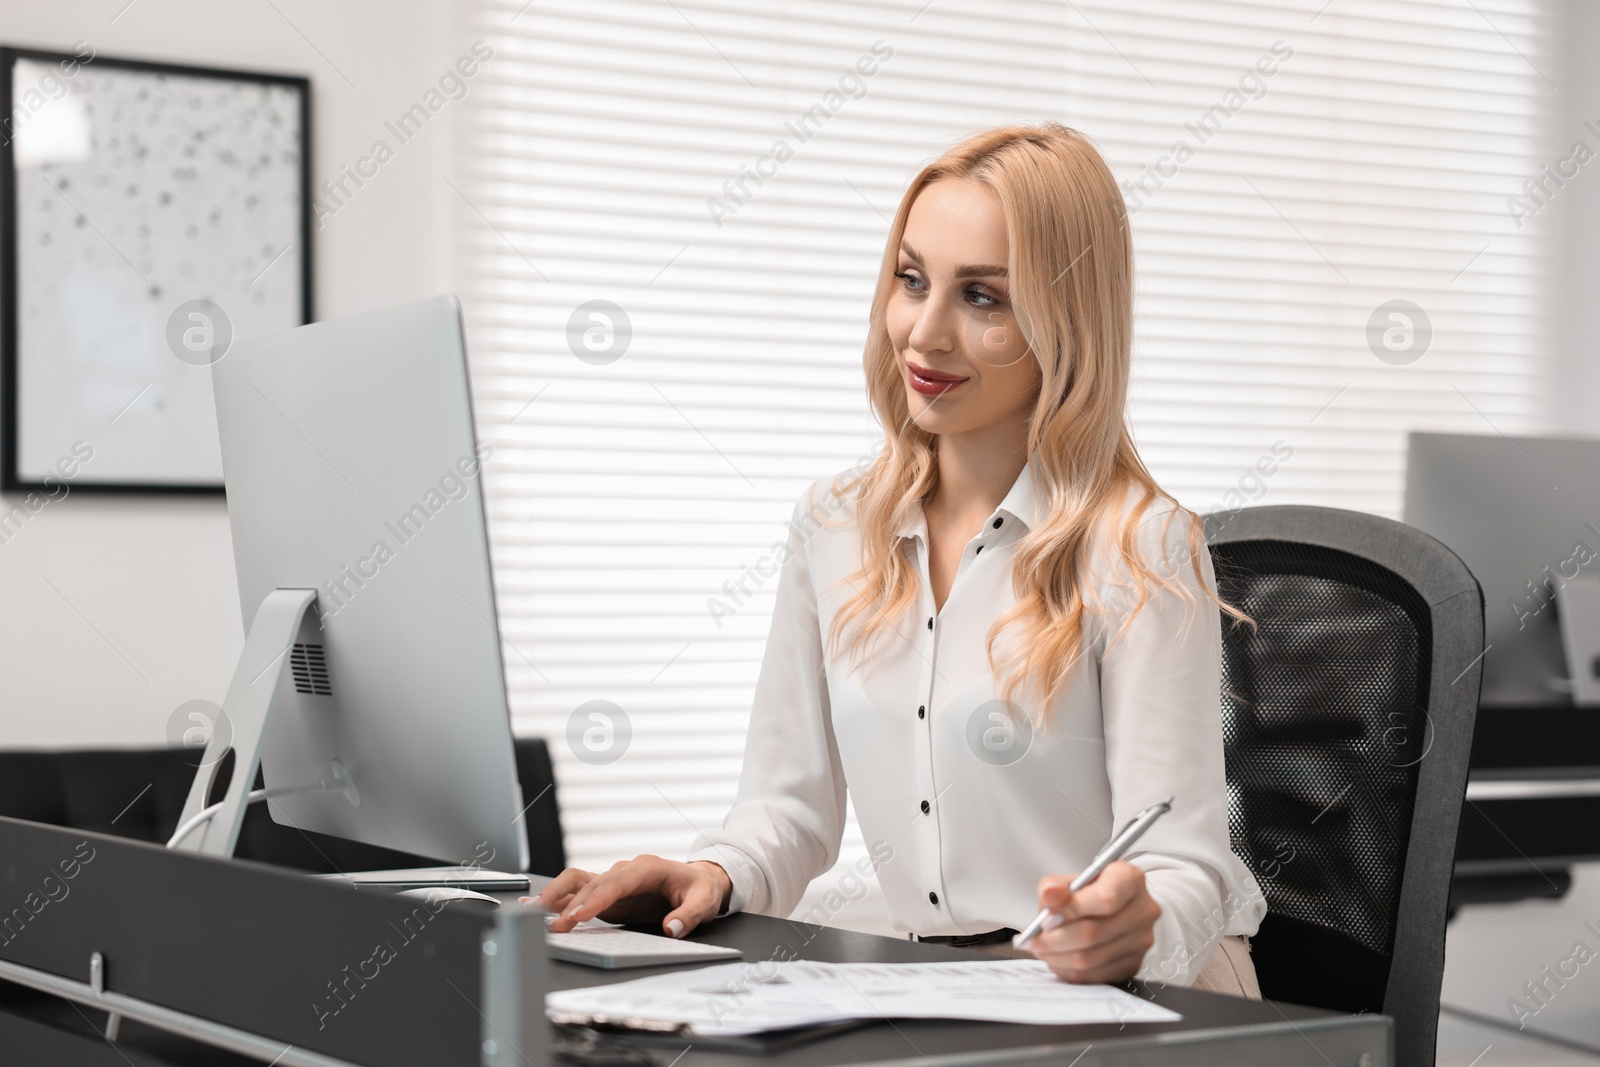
{"type": "Point", "coordinates": [788, 817]}
{"type": "Point", "coordinates": [1160, 684]}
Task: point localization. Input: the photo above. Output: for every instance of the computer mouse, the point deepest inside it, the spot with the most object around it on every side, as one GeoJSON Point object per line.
{"type": "Point", "coordinates": [454, 894]}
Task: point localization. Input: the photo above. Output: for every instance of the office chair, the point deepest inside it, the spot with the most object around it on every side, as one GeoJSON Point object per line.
{"type": "Point", "coordinates": [1347, 715]}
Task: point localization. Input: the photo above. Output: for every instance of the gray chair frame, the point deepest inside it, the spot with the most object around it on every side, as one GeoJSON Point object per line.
{"type": "Point", "coordinates": [1455, 602]}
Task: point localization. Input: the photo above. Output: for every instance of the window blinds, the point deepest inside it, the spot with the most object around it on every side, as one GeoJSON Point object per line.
{"type": "Point", "coordinates": [670, 216]}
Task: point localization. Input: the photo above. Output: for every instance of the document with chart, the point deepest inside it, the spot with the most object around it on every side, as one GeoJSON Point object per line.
{"type": "Point", "coordinates": [745, 998]}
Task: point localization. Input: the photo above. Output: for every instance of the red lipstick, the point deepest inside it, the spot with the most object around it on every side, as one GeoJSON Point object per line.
{"type": "Point", "coordinates": [931, 382]}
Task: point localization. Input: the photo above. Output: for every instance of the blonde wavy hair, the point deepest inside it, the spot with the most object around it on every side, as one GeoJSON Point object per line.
{"type": "Point", "coordinates": [1071, 282]}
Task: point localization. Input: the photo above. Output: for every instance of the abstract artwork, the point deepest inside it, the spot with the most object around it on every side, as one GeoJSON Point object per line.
{"type": "Point", "coordinates": [151, 214]}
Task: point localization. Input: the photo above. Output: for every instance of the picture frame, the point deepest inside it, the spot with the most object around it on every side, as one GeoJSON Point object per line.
{"type": "Point", "coordinates": [149, 213]}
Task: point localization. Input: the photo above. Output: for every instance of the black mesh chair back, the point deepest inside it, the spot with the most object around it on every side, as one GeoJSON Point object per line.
{"type": "Point", "coordinates": [1347, 716]}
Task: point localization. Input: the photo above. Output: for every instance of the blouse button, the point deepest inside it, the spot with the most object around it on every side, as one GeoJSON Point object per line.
{"type": "Point", "coordinates": [933, 898]}
{"type": "Point", "coordinates": [980, 549]}
{"type": "Point", "coordinates": [925, 807]}
{"type": "Point", "coordinates": [922, 712]}
{"type": "Point", "coordinates": [930, 622]}
{"type": "Point", "coordinates": [997, 523]}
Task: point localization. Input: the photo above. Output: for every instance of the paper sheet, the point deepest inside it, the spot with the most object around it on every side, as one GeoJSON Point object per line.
{"type": "Point", "coordinates": [728, 998]}
{"type": "Point", "coordinates": [746, 998]}
{"type": "Point", "coordinates": [1012, 991]}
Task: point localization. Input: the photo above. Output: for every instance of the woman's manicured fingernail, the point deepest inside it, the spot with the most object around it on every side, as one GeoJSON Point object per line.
{"type": "Point", "coordinates": [675, 927]}
{"type": "Point", "coordinates": [1053, 920]}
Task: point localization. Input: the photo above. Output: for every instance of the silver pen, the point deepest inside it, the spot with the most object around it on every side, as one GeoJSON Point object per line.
{"type": "Point", "coordinates": [1114, 850]}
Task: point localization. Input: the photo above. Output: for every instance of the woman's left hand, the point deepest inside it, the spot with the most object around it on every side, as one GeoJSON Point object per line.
{"type": "Point", "coordinates": [1100, 933]}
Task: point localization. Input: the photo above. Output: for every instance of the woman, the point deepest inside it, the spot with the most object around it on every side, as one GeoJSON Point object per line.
{"type": "Point", "coordinates": [1002, 636]}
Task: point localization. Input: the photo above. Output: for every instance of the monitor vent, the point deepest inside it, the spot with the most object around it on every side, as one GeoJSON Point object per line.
{"type": "Point", "coordinates": [310, 668]}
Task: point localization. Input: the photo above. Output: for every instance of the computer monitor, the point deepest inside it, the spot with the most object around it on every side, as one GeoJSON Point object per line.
{"type": "Point", "coordinates": [373, 655]}
{"type": "Point", "coordinates": [1523, 513]}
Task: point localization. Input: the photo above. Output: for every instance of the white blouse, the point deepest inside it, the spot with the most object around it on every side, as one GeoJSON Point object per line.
{"type": "Point", "coordinates": [962, 810]}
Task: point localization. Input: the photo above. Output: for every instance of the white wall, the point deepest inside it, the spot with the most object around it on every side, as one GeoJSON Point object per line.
{"type": "Point", "coordinates": [144, 615]}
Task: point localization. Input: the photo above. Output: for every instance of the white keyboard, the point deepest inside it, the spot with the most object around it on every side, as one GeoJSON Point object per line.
{"type": "Point", "coordinates": [612, 948]}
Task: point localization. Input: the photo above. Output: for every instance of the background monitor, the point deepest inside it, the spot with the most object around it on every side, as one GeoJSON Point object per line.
{"type": "Point", "coordinates": [1523, 513]}
{"type": "Point", "coordinates": [352, 468]}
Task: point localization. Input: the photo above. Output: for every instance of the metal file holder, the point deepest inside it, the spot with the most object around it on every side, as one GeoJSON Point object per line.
{"type": "Point", "coordinates": [265, 962]}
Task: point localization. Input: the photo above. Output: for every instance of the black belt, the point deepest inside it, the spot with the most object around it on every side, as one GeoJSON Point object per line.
{"type": "Point", "coordinates": [993, 937]}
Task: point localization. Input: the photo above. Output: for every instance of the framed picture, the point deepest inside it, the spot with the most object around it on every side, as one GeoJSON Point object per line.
{"type": "Point", "coordinates": [149, 214]}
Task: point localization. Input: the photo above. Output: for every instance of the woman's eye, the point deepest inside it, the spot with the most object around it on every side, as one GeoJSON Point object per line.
{"type": "Point", "coordinates": [907, 278]}
{"type": "Point", "coordinates": [981, 298]}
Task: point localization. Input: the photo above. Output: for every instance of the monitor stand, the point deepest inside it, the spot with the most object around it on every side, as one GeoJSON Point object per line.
{"type": "Point", "coordinates": [284, 619]}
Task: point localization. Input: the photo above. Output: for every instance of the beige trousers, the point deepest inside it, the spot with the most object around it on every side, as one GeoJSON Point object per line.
{"type": "Point", "coordinates": [1230, 970]}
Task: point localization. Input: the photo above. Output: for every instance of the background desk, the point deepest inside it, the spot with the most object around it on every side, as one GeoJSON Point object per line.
{"type": "Point", "coordinates": [1533, 803]}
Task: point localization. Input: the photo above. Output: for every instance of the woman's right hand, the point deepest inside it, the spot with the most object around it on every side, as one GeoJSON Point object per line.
{"type": "Point", "coordinates": [645, 889]}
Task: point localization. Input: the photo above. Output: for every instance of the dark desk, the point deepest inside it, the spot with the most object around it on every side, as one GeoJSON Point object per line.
{"type": "Point", "coordinates": [1215, 1029]}
{"type": "Point", "coordinates": [279, 967]}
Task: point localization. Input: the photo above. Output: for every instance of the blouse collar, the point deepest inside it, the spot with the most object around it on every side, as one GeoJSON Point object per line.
{"type": "Point", "coordinates": [1020, 505]}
